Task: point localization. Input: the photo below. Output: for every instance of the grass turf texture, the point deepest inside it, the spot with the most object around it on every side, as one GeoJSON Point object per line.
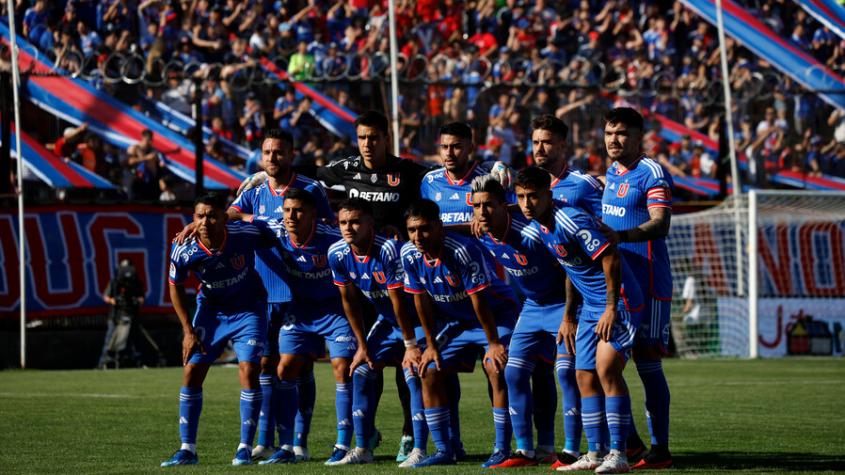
{"type": "Point", "coordinates": [758, 416]}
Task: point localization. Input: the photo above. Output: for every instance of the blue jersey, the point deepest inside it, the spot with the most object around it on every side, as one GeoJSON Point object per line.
{"type": "Point", "coordinates": [578, 189]}
{"type": "Point", "coordinates": [307, 266]}
{"type": "Point", "coordinates": [453, 197]}
{"type": "Point", "coordinates": [463, 268]}
{"type": "Point", "coordinates": [523, 255]}
{"type": "Point", "coordinates": [266, 203]}
{"type": "Point", "coordinates": [227, 275]}
{"type": "Point", "coordinates": [629, 194]}
{"type": "Point", "coordinates": [375, 273]}
{"type": "Point", "coordinates": [576, 242]}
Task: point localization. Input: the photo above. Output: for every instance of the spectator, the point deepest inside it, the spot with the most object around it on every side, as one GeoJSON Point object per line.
{"type": "Point", "coordinates": [148, 164]}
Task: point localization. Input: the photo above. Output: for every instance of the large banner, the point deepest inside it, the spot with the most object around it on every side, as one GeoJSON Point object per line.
{"type": "Point", "coordinates": [73, 251]}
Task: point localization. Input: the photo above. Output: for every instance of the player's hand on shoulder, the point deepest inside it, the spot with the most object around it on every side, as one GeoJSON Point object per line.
{"type": "Point", "coordinates": [186, 234]}
{"type": "Point", "coordinates": [251, 182]}
{"type": "Point", "coordinates": [502, 173]}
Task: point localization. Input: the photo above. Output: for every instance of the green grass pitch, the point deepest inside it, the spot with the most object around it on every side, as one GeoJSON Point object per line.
{"type": "Point", "coordinates": [727, 415]}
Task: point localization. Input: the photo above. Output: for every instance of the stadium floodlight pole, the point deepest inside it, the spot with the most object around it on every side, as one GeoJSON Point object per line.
{"type": "Point", "coordinates": [729, 123]}
{"type": "Point", "coordinates": [394, 75]}
{"type": "Point", "coordinates": [16, 84]}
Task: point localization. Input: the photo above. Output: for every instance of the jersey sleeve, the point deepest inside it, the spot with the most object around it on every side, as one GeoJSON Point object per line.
{"type": "Point", "coordinates": [476, 274]}
{"type": "Point", "coordinates": [659, 190]}
{"type": "Point", "coordinates": [245, 202]}
{"type": "Point", "coordinates": [411, 281]}
{"type": "Point", "coordinates": [178, 272]}
{"type": "Point", "coordinates": [583, 229]}
{"type": "Point", "coordinates": [591, 194]}
{"type": "Point", "coordinates": [391, 262]}
{"type": "Point", "coordinates": [332, 174]}
{"type": "Point", "coordinates": [339, 272]}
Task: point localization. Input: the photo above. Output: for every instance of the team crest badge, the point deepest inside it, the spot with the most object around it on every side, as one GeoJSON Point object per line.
{"type": "Point", "coordinates": [238, 261]}
{"type": "Point", "coordinates": [319, 261]}
{"type": "Point", "coordinates": [560, 250]}
{"type": "Point", "coordinates": [379, 276]}
{"type": "Point", "coordinates": [393, 179]}
{"type": "Point", "coordinates": [523, 261]}
{"type": "Point", "coordinates": [622, 191]}
{"type": "Point", "coordinates": [261, 209]}
{"type": "Point", "coordinates": [453, 281]}
{"type": "Point", "coordinates": [469, 199]}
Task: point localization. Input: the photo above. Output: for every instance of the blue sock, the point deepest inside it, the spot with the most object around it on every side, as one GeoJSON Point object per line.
{"type": "Point", "coordinates": [545, 404]}
{"type": "Point", "coordinates": [363, 403]}
{"type": "Point", "coordinates": [250, 409]}
{"type": "Point", "coordinates": [504, 430]}
{"type": "Point", "coordinates": [518, 377]}
{"type": "Point", "coordinates": [343, 410]}
{"type": "Point", "coordinates": [454, 394]}
{"type": "Point", "coordinates": [592, 416]}
{"type": "Point", "coordinates": [190, 407]}
{"type": "Point", "coordinates": [656, 400]}
{"type": "Point", "coordinates": [266, 419]}
{"type": "Point", "coordinates": [418, 423]}
{"type": "Point", "coordinates": [571, 403]}
{"type": "Point", "coordinates": [618, 415]}
{"type": "Point", "coordinates": [287, 400]}
{"type": "Point", "coordinates": [307, 397]}
{"type": "Point", "coordinates": [437, 419]}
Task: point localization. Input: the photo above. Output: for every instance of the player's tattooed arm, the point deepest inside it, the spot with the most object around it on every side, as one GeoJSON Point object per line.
{"type": "Point", "coordinates": [656, 227]}
{"type": "Point", "coordinates": [496, 355]}
{"type": "Point", "coordinates": [569, 324]}
{"type": "Point", "coordinates": [612, 265]}
{"type": "Point", "coordinates": [236, 215]}
{"type": "Point", "coordinates": [190, 341]}
{"type": "Point", "coordinates": [425, 310]}
{"type": "Point", "coordinates": [403, 318]}
{"type": "Point", "coordinates": [352, 309]}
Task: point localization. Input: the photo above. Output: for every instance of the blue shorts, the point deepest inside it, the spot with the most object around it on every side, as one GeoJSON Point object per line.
{"type": "Point", "coordinates": [275, 315]}
{"type": "Point", "coordinates": [536, 331]}
{"type": "Point", "coordinates": [247, 328]}
{"type": "Point", "coordinates": [654, 325]}
{"type": "Point", "coordinates": [461, 342]}
{"type": "Point", "coordinates": [586, 341]}
{"type": "Point", "coordinates": [308, 328]}
{"type": "Point", "coordinates": [386, 344]}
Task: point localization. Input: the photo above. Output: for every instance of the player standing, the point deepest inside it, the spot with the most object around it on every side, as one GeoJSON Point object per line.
{"type": "Point", "coordinates": [518, 248]}
{"type": "Point", "coordinates": [455, 294]}
{"type": "Point", "coordinates": [231, 304]}
{"type": "Point", "coordinates": [637, 207]}
{"type": "Point", "coordinates": [611, 302]}
{"type": "Point", "coordinates": [265, 202]}
{"type": "Point", "coordinates": [371, 263]}
{"type": "Point", "coordinates": [314, 319]}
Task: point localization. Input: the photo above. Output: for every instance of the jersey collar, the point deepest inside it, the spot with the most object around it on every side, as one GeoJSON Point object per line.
{"type": "Point", "coordinates": [462, 180]}
{"type": "Point", "coordinates": [561, 176]}
{"type": "Point", "coordinates": [621, 170]}
{"type": "Point", "coordinates": [284, 188]}
{"type": "Point", "coordinates": [220, 249]}
{"type": "Point", "coordinates": [307, 241]}
{"type": "Point", "coordinates": [507, 231]}
{"type": "Point", "coordinates": [366, 257]}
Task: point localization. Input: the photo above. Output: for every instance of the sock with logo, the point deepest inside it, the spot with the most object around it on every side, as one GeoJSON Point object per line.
{"type": "Point", "coordinates": [250, 408]}
{"type": "Point", "coordinates": [343, 409]}
{"type": "Point", "coordinates": [363, 403]}
{"type": "Point", "coordinates": [420, 427]}
{"type": "Point", "coordinates": [287, 400]}
{"type": "Point", "coordinates": [518, 378]}
{"type": "Point", "coordinates": [592, 416]}
{"type": "Point", "coordinates": [656, 400]}
{"type": "Point", "coordinates": [190, 407]}
{"type": "Point", "coordinates": [618, 415]}
{"type": "Point", "coordinates": [266, 419]}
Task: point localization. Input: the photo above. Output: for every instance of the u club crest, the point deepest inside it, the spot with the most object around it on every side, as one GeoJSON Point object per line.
{"type": "Point", "coordinates": [622, 190]}
{"type": "Point", "coordinates": [238, 261]}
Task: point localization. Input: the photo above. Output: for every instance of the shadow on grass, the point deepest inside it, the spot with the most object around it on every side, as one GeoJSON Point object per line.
{"type": "Point", "coordinates": [762, 461]}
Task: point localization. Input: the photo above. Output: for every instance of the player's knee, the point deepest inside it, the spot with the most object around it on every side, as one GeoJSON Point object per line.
{"type": "Point", "coordinates": [588, 383]}
{"type": "Point", "coordinates": [340, 367]}
{"type": "Point", "coordinates": [269, 364]}
{"type": "Point", "coordinates": [289, 368]}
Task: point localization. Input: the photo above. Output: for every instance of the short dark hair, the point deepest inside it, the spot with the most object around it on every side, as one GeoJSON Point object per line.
{"type": "Point", "coordinates": [457, 129]}
{"type": "Point", "coordinates": [626, 116]}
{"type": "Point", "coordinates": [356, 204]}
{"type": "Point", "coordinates": [533, 177]}
{"type": "Point", "coordinates": [373, 119]}
{"type": "Point", "coordinates": [215, 200]}
{"type": "Point", "coordinates": [425, 209]}
{"type": "Point", "coordinates": [279, 134]}
{"type": "Point", "coordinates": [552, 124]}
{"type": "Point", "coordinates": [303, 196]}
{"type": "Point", "coordinates": [489, 184]}
{"type": "Point", "coordinates": [147, 133]}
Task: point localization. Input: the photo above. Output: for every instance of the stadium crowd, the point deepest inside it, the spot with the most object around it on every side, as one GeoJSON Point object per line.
{"type": "Point", "coordinates": [495, 64]}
